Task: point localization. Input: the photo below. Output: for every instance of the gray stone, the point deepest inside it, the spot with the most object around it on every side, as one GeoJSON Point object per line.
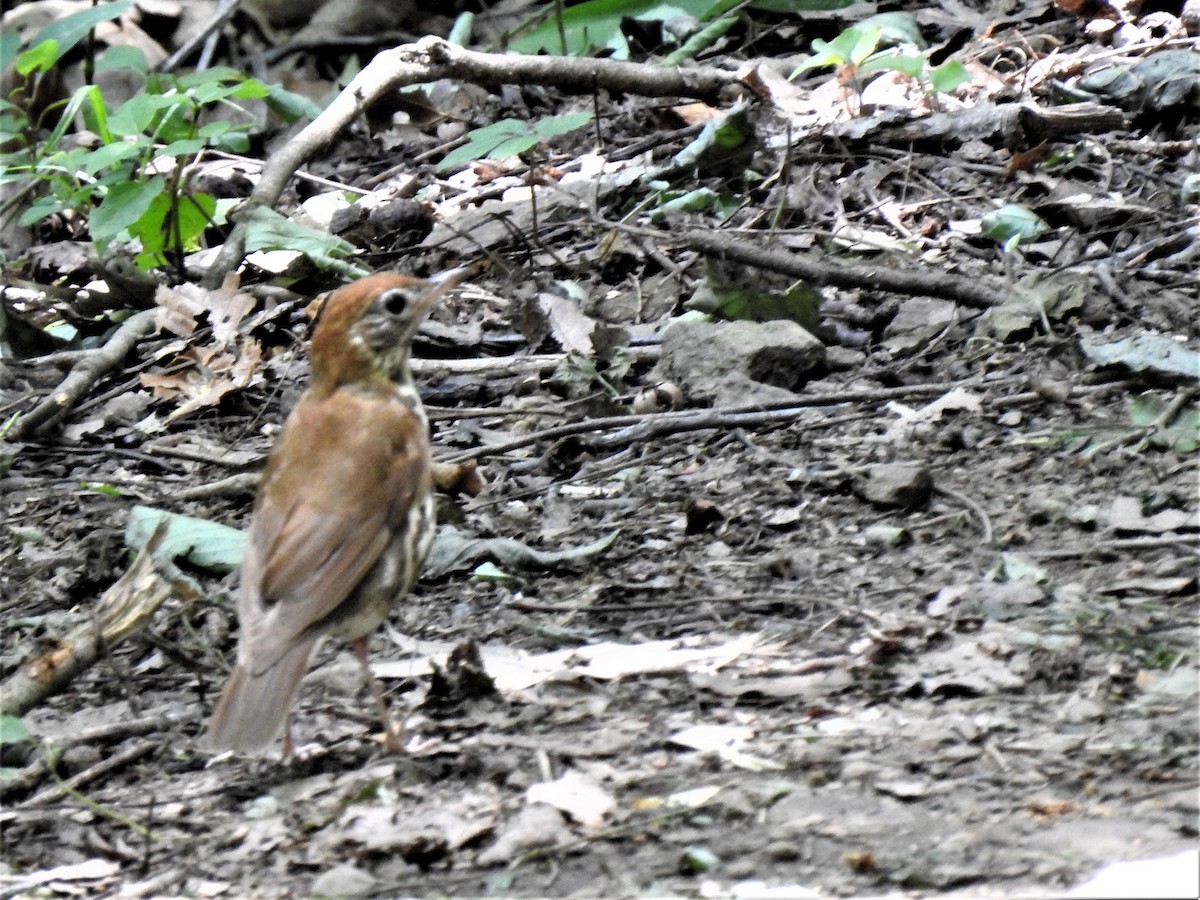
{"type": "Point", "coordinates": [738, 363]}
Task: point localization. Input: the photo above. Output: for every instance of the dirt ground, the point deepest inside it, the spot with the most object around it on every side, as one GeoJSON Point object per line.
{"type": "Point", "coordinates": [931, 629]}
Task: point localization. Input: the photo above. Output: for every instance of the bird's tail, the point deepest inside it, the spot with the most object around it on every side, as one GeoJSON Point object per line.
{"type": "Point", "coordinates": [253, 709]}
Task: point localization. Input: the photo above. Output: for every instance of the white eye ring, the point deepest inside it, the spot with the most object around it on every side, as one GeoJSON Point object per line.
{"type": "Point", "coordinates": [394, 302]}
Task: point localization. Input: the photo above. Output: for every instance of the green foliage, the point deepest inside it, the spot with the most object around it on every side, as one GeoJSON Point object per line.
{"type": "Point", "coordinates": [12, 730]}
{"type": "Point", "coordinates": [131, 182]}
{"type": "Point", "coordinates": [799, 304]}
{"type": "Point", "coordinates": [268, 230]}
{"type": "Point", "coordinates": [511, 137]}
{"type": "Point", "coordinates": [206, 545]}
{"type": "Point", "coordinates": [801, 6]}
{"type": "Point", "coordinates": [875, 44]}
{"type": "Point", "coordinates": [1181, 433]}
{"type": "Point", "coordinates": [699, 200]}
{"type": "Point", "coordinates": [596, 24]}
{"type": "Point", "coordinates": [1010, 225]}
{"type": "Point", "coordinates": [56, 39]}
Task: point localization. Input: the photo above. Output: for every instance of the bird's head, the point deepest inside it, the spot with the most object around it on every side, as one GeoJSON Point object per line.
{"type": "Point", "coordinates": [365, 329]}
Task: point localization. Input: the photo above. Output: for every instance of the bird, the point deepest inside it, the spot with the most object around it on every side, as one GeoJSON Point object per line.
{"type": "Point", "coordinates": [343, 517]}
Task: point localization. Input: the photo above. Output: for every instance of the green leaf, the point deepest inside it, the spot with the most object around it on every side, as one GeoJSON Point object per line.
{"type": "Point", "coordinates": [700, 41]}
{"type": "Point", "coordinates": [895, 28]}
{"type": "Point", "coordinates": [207, 545]}
{"type": "Point", "coordinates": [510, 137]}
{"type": "Point", "coordinates": [800, 6]}
{"type": "Point", "coordinates": [720, 139]}
{"type": "Point", "coordinates": [912, 66]}
{"type": "Point", "coordinates": [1010, 567]}
{"type": "Point", "coordinates": [1012, 224]}
{"type": "Point", "coordinates": [250, 89]}
{"type": "Point", "coordinates": [698, 860]}
{"type": "Point", "coordinates": [101, 488]}
{"type": "Point", "coordinates": [70, 30]}
{"type": "Point", "coordinates": [87, 93]}
{"type": "Point", "coordinates": [232, 142]}
{"type": "Point", "coordinates": [137, 114]}
{"type": "Point", "coordinates": [556, 125]}
{"type": "Point", "coordinates": [10, 46]}
{"type": "Point", "coordinates": [196, 212]}
{"type": "Point", "coordinates": [514, 146]}
{"type": "Point", "coordinates": [12, 730]}
{"type": "Point", "coordinates": [38, 58]}
{"type": "Point", "coordinates": [489, 571]}
{"type": "Point", "coordinates": [851, 47]}
{"type": "Point", "coordinates": [122, 58]}
{"type": "Point", "coordinates": [122, 206]}
{"type": "Point", "coordinates": [482, 141]}
{"type": "Point", "coordinates": [460, 31]}
{"type": "Point", "coordinates": [109, 155]}
{"type": "Point", "coordinates": [290, 106]}
{"type": "Point", "coordinates": [1182, 434]}
{"type": "Point", "coordinates": [734, 301]}
{"type": "Point", "coordinates": [268, 230]}
{"type": "Point", "coordinates": [184, 147]}
{"type": "Point", "coordinates": [596, 24]}
{"type": "Point", "coordinates": [948, 76]}
{"type": "Point", "coordinates": [687, 201]}
{"type": "Point", "coordinates": [1145, 409]}
{"type": "Point", "coordinates": [39, 209]}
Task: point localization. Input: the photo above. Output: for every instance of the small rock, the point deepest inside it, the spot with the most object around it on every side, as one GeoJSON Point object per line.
{"type": "Point", "coordinates": [882, 535]}
{"type": "Point", "coordinates": [893, 485]}
{"type": "Point", "coordinates": [738, 362]}
{"type": "Point", "coordinates": [343, 881]}
{"type": "Point", "coordinates": [842, 359]}
{"type": "Point", "coordinates": [783, 851]}
{"type": "Point", "coordinates": [536, 825]}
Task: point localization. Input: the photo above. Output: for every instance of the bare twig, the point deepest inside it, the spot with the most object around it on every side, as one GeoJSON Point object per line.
{"type": "Point", "coordinates": [110, 764]}
{"type": "Point", "coordinates": [978, 293]}
{"type": "Point", "coordinates": [34, 773]}
{"type": "Point", "coordinates": [223, 14]}
{"type": "Point", "coordinates": [643, 427]}
{"type": "Point", "coordinates": [984, 522]}
{"type": "Point", "coordinates": [124, 609]}
{"type": "Point", "coordinates": [89, 370]}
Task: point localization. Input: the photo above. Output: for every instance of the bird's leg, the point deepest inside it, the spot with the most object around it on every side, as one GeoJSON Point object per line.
{"type": "Point", "coordinates": [289, 746]}
{"type": "Point", "coordinates": [392, 733]}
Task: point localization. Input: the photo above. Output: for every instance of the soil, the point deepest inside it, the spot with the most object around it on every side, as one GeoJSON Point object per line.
{"type": "Point", "coordinates": [781, 673]}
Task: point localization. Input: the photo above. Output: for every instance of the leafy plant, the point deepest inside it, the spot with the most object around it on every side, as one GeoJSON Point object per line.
{"type": "Point", "coordinates": [596, 24]}
{"type": "Point", "coordinates": [876, 45]}
{"type": "Point", "coordinates": [129, 178]}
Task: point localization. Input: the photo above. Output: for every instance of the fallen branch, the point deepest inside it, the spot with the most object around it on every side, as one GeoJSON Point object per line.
{"type": "Point", "coordinates": [977, 293]}
{"type": "Point", "coordinates": [114, 763]}
{"type": "Point", "coordinates": [638, 428]}
{"type": "Point", "coordinates": [432, 59]}
{"type": "Point", "coordinates": [90, 368]}
{"type": "Point", "coordinates": [123, 610]}
{"type": "Point", "coordinates": [35, 773]}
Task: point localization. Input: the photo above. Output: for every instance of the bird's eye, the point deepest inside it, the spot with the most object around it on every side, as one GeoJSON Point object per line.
{"type": "Point", "coordinates": [394, 302]}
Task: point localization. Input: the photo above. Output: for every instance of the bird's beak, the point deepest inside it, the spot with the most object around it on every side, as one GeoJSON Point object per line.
{"type": "Point", "coordinates": [453, 277]}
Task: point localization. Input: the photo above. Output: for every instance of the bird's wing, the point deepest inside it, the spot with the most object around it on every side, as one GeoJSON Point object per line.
{"type": "Point", "coordinates": [341, 478]}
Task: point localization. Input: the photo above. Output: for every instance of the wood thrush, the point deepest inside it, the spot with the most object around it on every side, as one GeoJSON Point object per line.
{"type": "Point", "coordinates": [344, 513]}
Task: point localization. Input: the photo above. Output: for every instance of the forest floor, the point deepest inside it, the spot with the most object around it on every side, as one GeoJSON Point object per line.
{"type": "Point", "coordinates": [925, 625]}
